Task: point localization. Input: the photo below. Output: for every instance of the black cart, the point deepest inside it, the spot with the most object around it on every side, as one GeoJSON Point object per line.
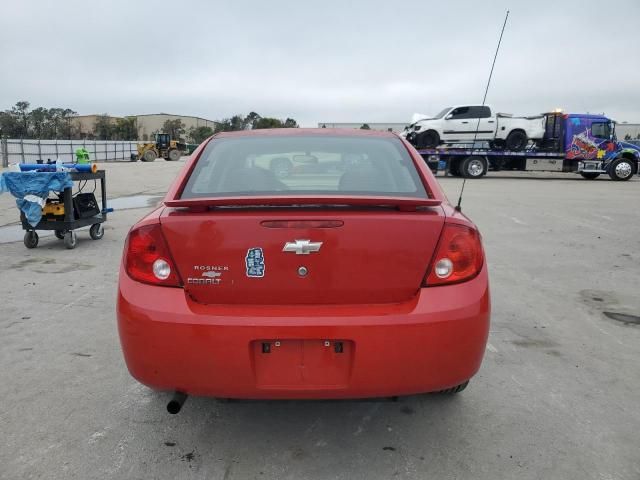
{"type": "Point", "coordinates": [64, 226]}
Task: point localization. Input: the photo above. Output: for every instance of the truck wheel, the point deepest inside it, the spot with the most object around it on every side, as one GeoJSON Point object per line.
{"type": "Point", "coordinates": [516, 140]}
{"type": "Point", "coordinates": [590, 175]}
{"type": "Point", "coordinates": [149, 156]}
{"type": "Point", "coordinates": [31, 239]}
{"type": "Point", "coordinates": [174, 155]}
{"type": "Point", "coordinates": [473, 167]}
{"type": "Point", "coordinates": [428, 139]}
{"type": "Point", "coordinates": [621, 169]}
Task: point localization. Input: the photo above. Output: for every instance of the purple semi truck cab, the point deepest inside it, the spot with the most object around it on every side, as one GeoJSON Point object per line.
{"type": "Point", "coordinates": [585, 137]}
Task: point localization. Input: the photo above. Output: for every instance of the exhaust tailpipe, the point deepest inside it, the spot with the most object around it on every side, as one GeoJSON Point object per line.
{"type": "Point", "coordinates": [175, 404]}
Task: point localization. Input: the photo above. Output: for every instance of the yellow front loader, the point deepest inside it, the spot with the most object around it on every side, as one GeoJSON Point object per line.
{"type": "Point", "coordinates": [162, 147]}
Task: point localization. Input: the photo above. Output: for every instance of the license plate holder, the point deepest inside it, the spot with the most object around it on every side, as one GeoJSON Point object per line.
{"type": "Point", "coordinates": [302, 363]}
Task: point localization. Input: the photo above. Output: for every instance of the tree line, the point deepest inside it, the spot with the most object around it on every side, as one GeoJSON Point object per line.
{"type": "Point", "coordinates": [51, 123]}
{"type": "Point", "coordinates": [45, 123]}
{"type": "Point", "coordinates": [252, 121]}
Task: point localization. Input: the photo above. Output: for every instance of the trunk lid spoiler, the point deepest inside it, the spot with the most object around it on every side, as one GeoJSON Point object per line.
{"type": "Point", "coordinates": [286, 200]}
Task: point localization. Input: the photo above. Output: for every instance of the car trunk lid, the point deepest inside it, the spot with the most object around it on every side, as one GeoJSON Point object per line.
{"type": "Point", "coordinates": [354, 255]}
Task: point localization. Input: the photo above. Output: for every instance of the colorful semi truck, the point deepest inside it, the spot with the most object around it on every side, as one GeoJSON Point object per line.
{"type": "Point", "coordinates": [580, 143]}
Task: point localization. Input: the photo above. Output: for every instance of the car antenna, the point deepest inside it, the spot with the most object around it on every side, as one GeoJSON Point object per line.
{"type": "Point", "coordinates": [484, 99]}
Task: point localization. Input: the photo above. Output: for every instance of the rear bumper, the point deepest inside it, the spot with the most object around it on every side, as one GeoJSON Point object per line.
{"type": "Point", "coordinates": [435, 341]}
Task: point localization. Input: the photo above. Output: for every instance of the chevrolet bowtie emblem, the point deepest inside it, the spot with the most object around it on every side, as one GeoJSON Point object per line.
{"type": "Point", "coordinates": [302, 247]}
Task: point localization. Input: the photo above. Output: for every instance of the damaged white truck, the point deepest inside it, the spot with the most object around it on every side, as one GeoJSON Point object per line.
{"type": "Point", "coordinates": [466, 123]}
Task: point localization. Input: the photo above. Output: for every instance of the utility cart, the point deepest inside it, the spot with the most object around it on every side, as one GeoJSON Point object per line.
{"type": "Point", "coordinates": [71, 211]}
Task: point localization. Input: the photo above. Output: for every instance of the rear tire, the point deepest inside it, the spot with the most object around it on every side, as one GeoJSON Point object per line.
{"type": "Point", "coordinates": [428, 139]}
{"type": "Point", "coordinates": [621, 170]}
{"type": "Point", "coordinates": [496, 144]}
{"type": "Point", "coordinates": [454, 390]}
{"type": "Point", "coordinates": [149, 156]}
{"type": "Point", "coordinates": [516, 140]}
{"type": "Point", "coordinates": [590, 175]}
{"type": "Point", "coordinates": [473, 167]}
{"type": "Point", "coordinates": [174, 155]}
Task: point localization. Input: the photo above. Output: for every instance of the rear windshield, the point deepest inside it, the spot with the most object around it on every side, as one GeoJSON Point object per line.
{"type": "Point", "coordinates": [305, 165]}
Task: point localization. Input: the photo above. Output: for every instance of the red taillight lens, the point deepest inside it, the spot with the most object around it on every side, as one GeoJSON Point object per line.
{"type": "Point", "coordinates": [459, 256]}
{"type": "Point", "coordinates": [147, 258]}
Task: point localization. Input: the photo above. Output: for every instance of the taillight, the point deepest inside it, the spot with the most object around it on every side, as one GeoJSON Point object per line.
{"type": "Point", "coordinates": [147, 258]}
{"type": "Point", "coordinates": [459, 256]}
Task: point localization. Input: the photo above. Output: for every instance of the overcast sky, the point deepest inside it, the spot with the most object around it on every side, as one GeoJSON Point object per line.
{"type": "Point", "coordinates": [320, 61]}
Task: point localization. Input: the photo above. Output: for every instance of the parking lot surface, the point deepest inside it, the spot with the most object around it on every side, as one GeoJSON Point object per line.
{"type": "Point", "coordinates": [557, 396]}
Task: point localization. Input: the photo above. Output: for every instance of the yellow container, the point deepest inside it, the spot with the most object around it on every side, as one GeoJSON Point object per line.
{"type": "Point", "coordinates": [55, 209]}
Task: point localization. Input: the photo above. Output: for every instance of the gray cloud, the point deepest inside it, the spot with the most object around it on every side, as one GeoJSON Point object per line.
{"type": "Point", "coordinates": [321, 61]}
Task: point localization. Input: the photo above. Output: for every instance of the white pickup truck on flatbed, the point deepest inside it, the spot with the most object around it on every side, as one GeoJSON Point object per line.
{"type": "Point", "coordinates": [464, 123]}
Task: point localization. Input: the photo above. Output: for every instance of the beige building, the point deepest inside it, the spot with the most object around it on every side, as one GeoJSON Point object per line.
{"type": "Point", "coordinates": [147, 125]}
{"type": "Point", "coordinates": [85, 124]}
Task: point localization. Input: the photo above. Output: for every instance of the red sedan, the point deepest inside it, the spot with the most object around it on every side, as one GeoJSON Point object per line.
{"type": "Point", "coordinates": [356, 280]}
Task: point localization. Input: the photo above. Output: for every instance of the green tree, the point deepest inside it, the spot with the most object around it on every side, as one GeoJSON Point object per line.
{"type": "Point", "coordinates": [45, 123]}
{"type": "Point", "coordinates": [8, 124]}
{"type": "Point", "coordinates": [200, 134]}
{"type": "Point", "coordinates": [249, 120]}
{"type": "Point", "coordinates": [268, 122]}
{"type": "Point", "coordinates": [126, 128]}
{"type": "Point", "coordinates": [40, 122]}
{"type": "Point", "coordinates": [59, 125]}
{"type": "Point", "coordinates": [252, 121]}
{"type": "Point", "coordinates": [21, 113]}
{"type": "Point", "coordinates": [365, 126]}
{"type": "Point", "coordinates": [175, 128]}
{"type": "Point", "coordinates": [237, 122]}
{"type": "Point", "coordinates": [103, 128]}
{"type": "Point", "coordinates": [66, 122]}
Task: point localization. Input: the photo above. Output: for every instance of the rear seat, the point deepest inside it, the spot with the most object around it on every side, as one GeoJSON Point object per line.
{"type": "Point", "coordinates": [364, 179]}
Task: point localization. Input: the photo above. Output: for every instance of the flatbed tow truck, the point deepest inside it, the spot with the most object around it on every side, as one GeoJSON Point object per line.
{"type": "Point", "coordinates": [581, 143]}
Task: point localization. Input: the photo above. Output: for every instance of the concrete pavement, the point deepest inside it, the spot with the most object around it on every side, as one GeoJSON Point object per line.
{"type": "Point", "coordinates": [557, 396]}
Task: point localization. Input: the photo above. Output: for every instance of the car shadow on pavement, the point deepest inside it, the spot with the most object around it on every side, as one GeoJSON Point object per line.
{"type": "Point", "coordinates": [309, 439]}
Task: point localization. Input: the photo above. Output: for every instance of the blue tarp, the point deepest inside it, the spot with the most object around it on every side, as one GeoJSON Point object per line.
{"type": "Point", "coordinates": [32, 188]}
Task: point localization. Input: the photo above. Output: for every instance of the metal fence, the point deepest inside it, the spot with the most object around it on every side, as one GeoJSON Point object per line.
{"type": "Point", "coordinates": [30, 151]}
